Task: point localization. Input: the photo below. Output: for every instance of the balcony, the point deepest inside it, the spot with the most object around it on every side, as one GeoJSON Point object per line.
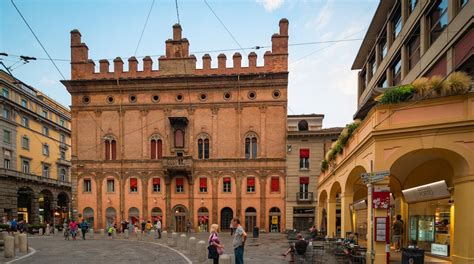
{"type": "Point", "coordinates": [178, 164]}
{"type": "Point", "coordinates": [34, 178]}
{"type": "Point", "coordinates": [304, 197]}
{"type": "Point", "coordinates": [64, 162]}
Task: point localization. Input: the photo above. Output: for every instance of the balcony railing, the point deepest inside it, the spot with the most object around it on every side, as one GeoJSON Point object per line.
{"type": "Point", "coordinates": [304, 197]}
{"type": "Point", "coordinates": [32, 177]}
{"type": "Point", "coordinates": [178, 162]}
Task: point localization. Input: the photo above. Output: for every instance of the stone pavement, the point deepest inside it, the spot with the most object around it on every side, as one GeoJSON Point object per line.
{"type": "Point", "coordinates": [54, 249]}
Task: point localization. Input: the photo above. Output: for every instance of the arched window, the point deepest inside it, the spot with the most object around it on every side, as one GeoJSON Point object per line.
{"type": "Point", "coordinates": [251, 146]}
{"type": "Point", "coordinates": [179, 138]}
{"type": "Point", "coordinates": [203, 147]}
{"type": "Point", "coordinates": [303, 125]}
{"type": "Point", "coordinates": [110, 148]}
{"type": "Point", "coordinates": [156, 147]}
{"type": "Point", "coordinates": [62, 174]}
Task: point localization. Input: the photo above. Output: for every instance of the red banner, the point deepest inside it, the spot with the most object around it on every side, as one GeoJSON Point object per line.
{"type": "Point", "coordinates": [304, 153]}
{"type": "Point", "coordinates": [381, 200]}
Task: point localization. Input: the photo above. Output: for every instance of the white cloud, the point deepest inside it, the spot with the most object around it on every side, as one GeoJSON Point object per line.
{"type": "Point", "coordinates": [323, 18]}
{"type": "Point", "coordinates": [271, 5]}
{"type": "Point", "coordinates": [46, 81]}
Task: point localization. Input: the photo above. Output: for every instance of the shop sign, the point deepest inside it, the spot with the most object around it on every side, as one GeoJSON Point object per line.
{"type": "Point", "coordinates": [432, 191]}
{"type": "Point", "coordinates": [374, 176]}
{"type": "Point", "coordinates": [381, 226]}
{"type": "Point", "coordinates": [381, 197]}
{"type": "Point", "coordinates": [440, 249]}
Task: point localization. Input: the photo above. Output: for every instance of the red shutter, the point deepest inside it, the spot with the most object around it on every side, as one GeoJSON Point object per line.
{"type": "Point", "coordinates": [275, 184]}
{"type": "Point", "coordinates": [440, 68]}
{"type": "Point", "coordinates": [226, 179]}
{"type": "Point", "coordinates": [202, 183]}
{"type": "Point", "coordinates": [114, 150]}
{"type": "Point", "coordinates": [160, 149]}
{"type": "Point", "coordinates": [156, 181]}
{"type": "Point", "coordinates": [133, 183]}
{"type": "Point", "coordinates": [304, 180]}
{"type": "Point", "coordinates": [153, 149]}
{"type": "Point", "coordinates": [304, 153]}
{"type": "Point", "coordinates": [250, 182]}
{"type": "Point", "coordinates": [107, 150]}
{"type": "Point", "coordinates": [464, 48]}
{"type": "Point", "coordinates": [179, 182]}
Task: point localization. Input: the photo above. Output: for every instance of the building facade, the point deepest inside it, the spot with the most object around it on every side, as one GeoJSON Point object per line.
{"type": "Point", "coordinates": [307, 143]}
{"type": "Point", "coordinates": [178, 142]}
{"type": "Point", "coordinates": [424, 145]}
{"type": "Point", "coordinates": [35, 153]}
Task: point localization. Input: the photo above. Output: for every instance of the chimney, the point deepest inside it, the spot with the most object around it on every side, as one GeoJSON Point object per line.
{"type": "Point", "coordinates": [283, 27]}
{"type": "Point", "coordinates": [177, 30]}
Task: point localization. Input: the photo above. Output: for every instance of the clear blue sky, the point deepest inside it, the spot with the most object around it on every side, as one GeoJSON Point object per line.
{"type": "Point", "coordinates": [320, 77]}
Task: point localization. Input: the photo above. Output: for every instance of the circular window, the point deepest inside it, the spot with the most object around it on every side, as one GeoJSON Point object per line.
{"type": "Point", "coordinates": [227, 96]}
{"type": "Point", "coordinates": [110, 99]}
{"type": "Point", "coordinates": [132, 98]}
{"type": "Point", "coordinates": [203, 97]}
{"type": "Point", "coordinates": [155, 98]}
{"type": "Point", "coordinates": [179, 97]}
{"type": "Point", "coordinates": [86, 99]}
{"type": "Point", "coordinates": [276, 94]}
{"type": "Point", "coordinates": [252, 95]}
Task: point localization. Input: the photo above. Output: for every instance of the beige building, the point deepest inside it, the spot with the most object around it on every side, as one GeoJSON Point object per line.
{"type": "Point", "coordinates": [307, 143]}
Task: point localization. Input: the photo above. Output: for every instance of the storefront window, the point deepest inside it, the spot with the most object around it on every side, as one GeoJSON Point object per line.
{"type": "Point", "coordinates": [429, 226]}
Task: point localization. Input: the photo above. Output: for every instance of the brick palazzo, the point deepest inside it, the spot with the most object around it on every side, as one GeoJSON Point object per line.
{"type": "Point", "coordinates": [178, 142]}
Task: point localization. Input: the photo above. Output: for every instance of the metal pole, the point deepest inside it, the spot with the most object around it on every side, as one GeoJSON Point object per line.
{"type": "Point", "coordinates": [369, 197]}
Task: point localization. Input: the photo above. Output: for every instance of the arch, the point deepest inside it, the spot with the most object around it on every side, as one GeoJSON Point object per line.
{"type": "Point", "coordinates": [274, 210]}
{"type": "Point", "coordinates": [63, 207]}
{"type": "Point", "coordinates": [335, 190]}
{"type": "Point", "coordinates": [110, 147]}
{"type": "Point", "coordinates": [251, 145]}
{"type": "Point", "coordinates": [226, 217]}
{"type": "Point", "coordinates": [46, 210]}
{"type": "Point", "coordinates": [156, 213]}
{"type": "Point", "coordinates": [156, 146]}
{"type": "Point", "coordinates": [180, 218]}
{"type": "Point", "coordinates": [303, 125]}
{"type": "Point", "coordinates": [274, 219]}
{"type": "Point", "coordinates": [250, 219]}
{"type": "Point", "coordinates": [323, 196]}
{"type": "Point", "coordinates": [62, 174]}
{"type": "Point", "coordinates": [354, 179]}
{"type": "Point", "coordinates": [203, 219]}
{"type": "Point", "coordinates": [133, 215]}
{"type": "Point", "coordinates": [203, 145]}
{"type": "Point", "coordinates": [110, 215]}
{"type": "Point", "coordinates": [88, 216]}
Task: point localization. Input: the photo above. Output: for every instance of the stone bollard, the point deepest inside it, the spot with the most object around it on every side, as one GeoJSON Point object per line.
{"type": "Point", "coordinates": [114, 233]}
{"type": "Point", "coordinates": [3, 235]}
{"type": "Point", "coordinates": [225, 259]}
{"type": "Point", "coordinates": [151, 236]}
{"type": "Point", "coordinates": [125, 234]}
{"type": "Point", "coordinates": [47, 232]}
{"type": "Point", "coordinates": [183, 241]}
{"type": "Point", "coordinates": [192, 245]}
{"type": "Point", "coordinates": [40, 231]}
{"type": "Point", "coordinates": [79, 233]}
{"type": "Point", "coordinates": [56, 232]}
{"type": "Point", "coordinates": [174, 239]}
{"type": "Point", "coordinates": [164, 236]}
{"type": "Point", "coordinates": [139, 235]}
{"type": "Point", "coordinates": [9, 247]}
{"type": "Point", "coordinates": [201, 249]}
{"type": "Point", "coordinates": [101, 233]}
{"type": "Point", "coordinates": [91, 233]}
{"type": "Point", "coordinates": [16, 235]}
{"type": "Point", "coordinates": [23, 243]}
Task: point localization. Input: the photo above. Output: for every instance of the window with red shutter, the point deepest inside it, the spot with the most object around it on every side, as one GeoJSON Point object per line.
{"type": "Point", "coordinates": [133, 185]}
{"type": "Point", "coordinates": [203, 184]}
{"type": "Point", "coordinates": [304, 180]}
{"type": "Point", "coordinates": [275, 184]}
{"type": "Point", "coordinates": [153, 149]}
{"type": "Point", "coordinates": [114, 150]}
{"type": "Point", "coordinates": [250, 184]}
{"type": "Point", "coordinates": [156, 185]}
{"type": "Point", "coordinates": [107, 150]}
{"type": "Point", "coordinates": [179, 185]}
{"type": "Point", "coordinates": [159, 148]}
{"type": "Point", "coordinates": [304, 153]}
{"type": "Point", "coordinates": [227, 185]}
{"type": "Point", "coordinates": [304, 159]}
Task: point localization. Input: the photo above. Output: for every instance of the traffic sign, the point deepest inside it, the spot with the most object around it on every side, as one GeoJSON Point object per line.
{"type": "Point", "coordinates": [373, 177]}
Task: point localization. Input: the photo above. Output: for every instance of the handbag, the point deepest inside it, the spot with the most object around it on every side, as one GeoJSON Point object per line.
{"type": "Point", "coordinates": [220, 250]}
{"type": "Point", "coordinates": [212, 252]}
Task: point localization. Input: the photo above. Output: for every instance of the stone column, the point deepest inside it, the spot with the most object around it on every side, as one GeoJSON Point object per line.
{"type": "Point", "coordinates": [404, 62]}
{"type": "Point", "coordinates": [463, 238]}
{"type": "Point", "coordinates": [331, 212]}
{"type": "Point", "coordinates": [319, 218]}
{"type": "Point", "coordinates": [98, 182]}
{"type": "Point", "coordinates": [53, 206]}
{"type": "Point", "coordinates": [453, 6]}
{"type": "Point", "coordinates": [263, 198]}
{"type": "Point", "coordinates": [404, 9]}
{"type": "Point", "coordinates": [191, 200]}
{"type": "Point", "coordinates": [215, 205]}
{"type": "Point", "coordinates": [168, 201]}
{"type": "Point", "coordinates": [238, 200]}
{"type": "Point", "coordinates": [263, 121]}
{"type": "Point", "coordinates": [34, 218]}
{"type": "Point", "coordinates": [144, 192]}
{"type": "Point", "coordinates": [346, 200]}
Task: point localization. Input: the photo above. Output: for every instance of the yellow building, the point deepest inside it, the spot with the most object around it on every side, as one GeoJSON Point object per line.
{"type": "Point", "coordinates": [36, 142]}
{"type": "Point", "coordinates": [424, 145]}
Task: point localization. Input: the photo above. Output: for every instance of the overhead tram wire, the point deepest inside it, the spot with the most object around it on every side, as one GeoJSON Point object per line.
{"type": "Point", "coordinates": [177, 11]}
{"type": "Point", "coordinates": [144, 27]}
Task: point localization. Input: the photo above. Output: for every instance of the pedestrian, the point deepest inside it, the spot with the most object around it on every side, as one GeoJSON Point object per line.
{"type": "Point", "coordinates": [215, 248]}
{"type": "Point", "coordinates": [188, 227]}
{"type": "Point", "coordinates": [110, 231]}
{"type": "Point", "coordinates": [143, 226]}
{"type": "Point", "coordinates": [231, 229]}
{"type": "Point", "coordinates": [73, 228]}
{"type": "Point", "coordinates": [398, 228]}
{"type": "Point", "coordinates": [84, 228]}
{"type": "Point", "coordinates": [158, 228]}
{"type": "Point", "coordinates": [66, 230]}
{"type": "Point", "coordinates": [240, 236]}
{"type": "Point", "coordinates": [13, 226]}
{"type": "Point", "coordinates": [148, 228]}
{"type": "Point", "coordinates": [20, 226]}
{"type": "Point", "coordinates": [299, 247]}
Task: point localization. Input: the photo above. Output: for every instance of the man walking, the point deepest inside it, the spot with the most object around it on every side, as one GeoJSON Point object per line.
{"type": "Point", "coordinates": [398, 233]}
{"type": "Point", "coordinates": [84, 228]}
{"type": "Point", "coordinates": [158, 228]}
{"type": "Point", "coordinates": [239, 241]}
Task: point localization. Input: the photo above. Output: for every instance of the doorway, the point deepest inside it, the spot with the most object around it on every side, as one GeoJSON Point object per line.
{"type": "Point", "coordinates": [226, 218]}
{"type": "Point", "coordinates": [250, 219]}
{"type": "Point", "coordinates": [180, 218]}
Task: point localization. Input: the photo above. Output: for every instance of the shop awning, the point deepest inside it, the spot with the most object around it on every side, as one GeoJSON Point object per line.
{"type": "Point", "coordinates": [431, 191]}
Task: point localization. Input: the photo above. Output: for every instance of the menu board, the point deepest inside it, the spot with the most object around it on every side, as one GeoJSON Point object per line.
{"type": "Point", "coordinates": [380, 229]}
